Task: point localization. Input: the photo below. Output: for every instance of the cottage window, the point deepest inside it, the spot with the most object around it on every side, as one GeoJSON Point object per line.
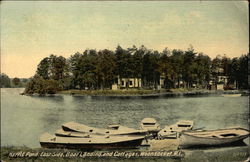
{"type": "Point", "coordinates": [130, 83]}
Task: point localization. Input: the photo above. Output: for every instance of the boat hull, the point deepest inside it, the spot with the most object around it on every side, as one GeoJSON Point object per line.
{"type": "Point", "coordinates": [117, 145]}
{"type": "Point", "coordinates": [231, 95]}
{"type": "Point", "coordinates": [187, 141]}
{"type": "Point", "coordinates": [90, 142]}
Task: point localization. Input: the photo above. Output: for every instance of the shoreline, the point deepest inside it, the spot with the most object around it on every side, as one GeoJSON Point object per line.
{"type": "Point", "coordinates": [142, 93]}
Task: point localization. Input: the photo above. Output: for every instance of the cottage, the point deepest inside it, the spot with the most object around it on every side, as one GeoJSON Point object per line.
{"type": "Point", "coordinates": [129, 83]}
{"type": "Point", "coordinates": [121, 83]}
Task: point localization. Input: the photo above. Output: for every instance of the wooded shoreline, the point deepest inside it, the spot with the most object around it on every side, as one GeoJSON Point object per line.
{"type": "Point", "coordinates": [142, 93]}
{"type": "Point", "coordinates": [141, 68]}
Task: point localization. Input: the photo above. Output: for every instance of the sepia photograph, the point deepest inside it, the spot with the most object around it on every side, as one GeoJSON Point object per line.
{"type": "Point", "coordinates": [125, 81]}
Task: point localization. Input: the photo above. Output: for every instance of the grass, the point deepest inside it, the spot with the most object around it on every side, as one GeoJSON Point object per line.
{"type": "Point", "coordinates": [113, 92]}
{"type": "Point", "coordinates": [127, 92]}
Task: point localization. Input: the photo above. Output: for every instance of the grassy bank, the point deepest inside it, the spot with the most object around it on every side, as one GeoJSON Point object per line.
{"type": "Point", "coordinates": [112, 92]}
{"type": "Point", "coordinates": [143, 92]}
{"type": "Point", "coordinates": [132, 92]}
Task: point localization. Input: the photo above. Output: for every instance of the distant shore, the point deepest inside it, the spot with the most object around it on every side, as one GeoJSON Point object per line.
{"type": "Point", "coordinates": [142, 93]}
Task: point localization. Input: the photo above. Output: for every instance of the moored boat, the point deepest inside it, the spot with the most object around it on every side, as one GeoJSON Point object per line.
{"type": "Point", "coordinates": [212, 137]}
{"type": "Point", "coordinates": [150, 125]}
{"type": "Point", "coordinates": [112, 129]}
{"type": "Point", "coordinates": [231, 95]}
{"type": "Point", "coordinates": [122, 130]}
{"type": "Point", "coordinates": [90, 142]}
{"type": "Point", "coordinates": [173, 130]}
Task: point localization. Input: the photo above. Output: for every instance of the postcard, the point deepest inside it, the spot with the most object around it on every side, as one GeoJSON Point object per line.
{"type": "Point", "coordinates": [124, 81]}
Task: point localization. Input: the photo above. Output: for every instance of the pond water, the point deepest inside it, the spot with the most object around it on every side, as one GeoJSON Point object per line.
{"type": "Point", "coordinates": [25, 118]}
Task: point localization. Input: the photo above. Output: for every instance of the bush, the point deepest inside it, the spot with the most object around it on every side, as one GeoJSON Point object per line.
{"type": "Point", "coordinates": [41, 86]}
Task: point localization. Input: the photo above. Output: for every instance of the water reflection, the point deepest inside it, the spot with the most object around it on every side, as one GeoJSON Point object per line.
{"type": "Point", "coordinates": [57, 99]}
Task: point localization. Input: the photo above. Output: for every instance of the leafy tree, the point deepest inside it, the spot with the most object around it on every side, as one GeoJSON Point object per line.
{"type": "Point", "coordinates": [75, 69]}
{"type": "Point", "coordinates": [138, 61]}
{"type": "Point", "coordinates": [105, 68]}
{"type": "Point", "coordinates": [225, 65]}
{"type": "Point", "coordinates": [55, 68]}
{"type": "Point", "coordinates": [166, 68]}
{"type": "Point", "coordinates": [137, 58]}
{"type": "Point", "coordinates": [189, 67]}
{"type": "Point", "coordinates": [88, 63]}
{"type": "Point", "coordinates": [16, 81]}
{"type": "Point", "coordinates": [58, 68]}
{"type": "Point", "coordinates": [83, 69]}
{"type": "Point", "coordinates": [177, 59]}
{"type": "Point", "coordinates": [203, 63]}
{"type": "Point", "coordinates": [124, 62]}
{"type": "Point", "coordinates": [97, 70]}
{"type": "Point", "coordinates": [41, 86]}
{"type": "Point", "coordinates": [43, 68]}
{"type": "Point", "coordinates": [5, 81]}
{"type": "Point", "coordinates": [243, 72]}
{"type": "Point", "coordinates": [151, 72]}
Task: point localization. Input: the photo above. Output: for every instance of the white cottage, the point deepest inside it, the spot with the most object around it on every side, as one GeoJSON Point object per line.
{"type": "Point", "coordinates": [127, 83]}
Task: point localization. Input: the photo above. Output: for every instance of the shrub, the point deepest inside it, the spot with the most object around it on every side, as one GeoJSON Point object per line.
{"type": "Point", "coordinates": [41, 86]}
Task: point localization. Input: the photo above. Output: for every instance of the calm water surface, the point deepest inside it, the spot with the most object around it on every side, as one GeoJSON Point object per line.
{"type": "Point", "coordinates": [25, 118]}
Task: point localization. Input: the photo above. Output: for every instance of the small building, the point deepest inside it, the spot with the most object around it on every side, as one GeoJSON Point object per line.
{"type": "Point", "coordinates": [222, 79]}
{"type": "Point", "coordinates": [114, 86]}
{"type": "Point", "coordinates": [129, 83]}
{"type": "Point", "coordinates": [219, 82]}
{"type": "Point", "coordinates": [222, 82]}
{"type": "Point", "coordinates": [121, 83]}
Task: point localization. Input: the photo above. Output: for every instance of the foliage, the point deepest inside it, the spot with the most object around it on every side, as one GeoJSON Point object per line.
{"type": "Point", "coordinates": [5, 81]}
{"type": "Point", "coordinates": [236, 69]}
{"type": "Point", "coordinates": [100, 69]}
{"type": "Point", "coordinates": [43, 68]}
{"type": "Point", "coordinates": [16, 81]}
{"type": "Point", "coordinates": [41, 86]}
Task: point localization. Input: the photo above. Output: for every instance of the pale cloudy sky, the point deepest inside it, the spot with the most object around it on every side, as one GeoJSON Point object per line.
{"type": "Point", "coordinates": [33, 30]}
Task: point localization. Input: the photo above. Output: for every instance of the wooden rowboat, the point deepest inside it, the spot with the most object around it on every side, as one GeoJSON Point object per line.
{"type": "Point", "coordinates": [150, 125]}
{"type": "Point", "coordinates": [90, 142]}
{"type": "Point", "coordinates": [112, 129]}
{"type": "Point", "coordinates": [212, 137]}
{"type": "Point", "coordinates": [231, 95]}
{"type": "Point", "coordinates": [173, 130]}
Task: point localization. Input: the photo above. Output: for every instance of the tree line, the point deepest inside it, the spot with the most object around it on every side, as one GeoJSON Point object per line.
{"type": "Point", "coordinates": [6, 82]}
{"type": "Point", "coordinates": [94, 69]}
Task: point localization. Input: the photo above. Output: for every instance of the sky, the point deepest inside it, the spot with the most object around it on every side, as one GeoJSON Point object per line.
{"type": "Point", "coordinates": [33, 30]}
